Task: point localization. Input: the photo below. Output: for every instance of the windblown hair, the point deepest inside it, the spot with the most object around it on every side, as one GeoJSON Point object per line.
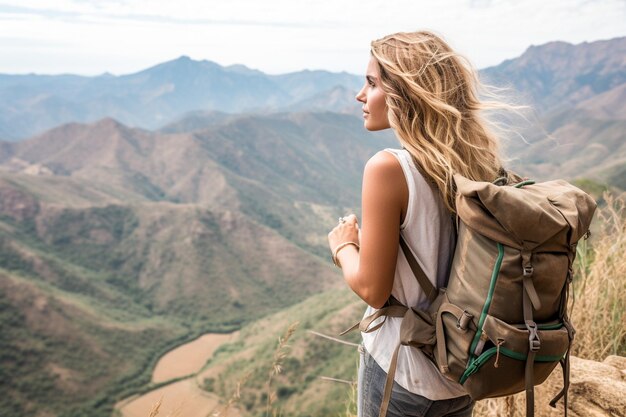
{"type": "Point", "coordinates": [434, 108]}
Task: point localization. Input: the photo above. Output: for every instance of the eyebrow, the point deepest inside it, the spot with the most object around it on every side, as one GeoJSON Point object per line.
{"type": "Point", "coordinates": [370, 78]}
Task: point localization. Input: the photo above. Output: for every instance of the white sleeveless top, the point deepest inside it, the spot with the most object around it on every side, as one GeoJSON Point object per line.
{"type": "Point", "coordinates": [429, 232]}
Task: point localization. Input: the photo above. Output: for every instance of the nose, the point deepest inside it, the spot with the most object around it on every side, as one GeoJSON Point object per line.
{"type": "Point", "coordinates": [361, 95]}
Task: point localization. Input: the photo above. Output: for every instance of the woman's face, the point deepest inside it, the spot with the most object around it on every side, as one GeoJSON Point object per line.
{"type": "Point", "coordinates": [373, 99]}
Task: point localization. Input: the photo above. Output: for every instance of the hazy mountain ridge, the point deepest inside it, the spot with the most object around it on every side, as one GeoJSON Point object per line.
{"type": "Point", "coordinates": [551, 75]}
{"type": "Point", "coordinates": [584, 141]}
{"type": "Point", "coordinates": [182, 166]}
{"type": "Point", "coordinates": [152, 97]}
{"type": "Point", "coordinates": [339, 99]}
{"type": "Point", "coordinates": [574, 145]}
{"type": "Point", "coordinates": [578, 95]}
{"type": "Point", "coordinates": [560, 74]}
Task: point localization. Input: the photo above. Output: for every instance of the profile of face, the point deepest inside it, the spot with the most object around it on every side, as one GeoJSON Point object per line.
{"type": "Point", "coordinates": [373, 98]}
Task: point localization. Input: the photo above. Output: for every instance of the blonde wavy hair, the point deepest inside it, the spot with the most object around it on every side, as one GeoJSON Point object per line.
{"type": "Point", "coordinates": [432, 96]}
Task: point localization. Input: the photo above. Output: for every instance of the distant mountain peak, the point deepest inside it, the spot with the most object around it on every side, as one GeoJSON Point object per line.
{"type": "Point", "coordinates": [108, 122]}
{"type": "Point", "coordinates": [562, 46]}
{"type": "Point", "coordinates": [548, 45]}
{"type": "Point", "coordinates": [242, 69]}
{"type": "Point", "coordinates": [184, 62]}
{"type": "Point", "coordinates": [105, 125]}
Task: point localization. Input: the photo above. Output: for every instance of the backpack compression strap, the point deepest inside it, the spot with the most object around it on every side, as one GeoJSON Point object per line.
{"type": "Point", "coordinates": [394, 308]}
{"type": "Point", "coordinates": [530, 299]}
{"type": "Point", "coordinates": [431, 293]}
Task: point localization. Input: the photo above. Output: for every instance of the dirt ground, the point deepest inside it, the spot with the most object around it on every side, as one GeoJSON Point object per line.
{"type": "Point", "coordinates": [182, 398]}
{"type": "Point", "coordinates": [188, 358]}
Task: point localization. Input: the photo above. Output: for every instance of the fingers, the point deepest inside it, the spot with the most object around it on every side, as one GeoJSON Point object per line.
{"type": "Point", "coordinates": [346, 230]}
{"type": "Point", "coordinates": [350, 219]}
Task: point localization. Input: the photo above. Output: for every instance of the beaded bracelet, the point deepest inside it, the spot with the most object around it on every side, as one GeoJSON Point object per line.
{"type": "Point", "coordinates": [339, 247]}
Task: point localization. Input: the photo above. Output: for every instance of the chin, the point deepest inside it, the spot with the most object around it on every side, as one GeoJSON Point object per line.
{"type": "Point", "coordinates": [374, 128]}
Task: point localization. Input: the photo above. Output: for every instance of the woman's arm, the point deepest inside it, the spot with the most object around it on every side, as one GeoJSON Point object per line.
{"type": "Point", "coordinates": [370, 271]}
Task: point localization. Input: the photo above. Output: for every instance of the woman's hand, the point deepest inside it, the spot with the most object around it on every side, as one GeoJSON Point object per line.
{"type": "Point", "coordinates": [346, 231]}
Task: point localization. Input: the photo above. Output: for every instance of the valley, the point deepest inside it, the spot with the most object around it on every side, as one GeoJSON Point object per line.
{"type": "Point", "coordinates": [137, 241]}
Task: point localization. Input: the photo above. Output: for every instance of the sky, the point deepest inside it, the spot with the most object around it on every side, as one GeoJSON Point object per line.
{"type": "Point", "coordinates": [90, 37]}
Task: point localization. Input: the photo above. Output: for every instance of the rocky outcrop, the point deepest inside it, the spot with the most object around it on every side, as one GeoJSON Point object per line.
{"type": "Point", "coordinates": [597, 389]}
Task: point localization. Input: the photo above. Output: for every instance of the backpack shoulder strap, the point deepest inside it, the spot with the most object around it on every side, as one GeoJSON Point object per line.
{"type": "Point", "coordinates": [423, 281]}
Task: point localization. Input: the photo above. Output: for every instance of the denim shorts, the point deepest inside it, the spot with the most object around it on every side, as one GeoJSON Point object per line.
{"type": "Point", "coordinates": [403, 403]}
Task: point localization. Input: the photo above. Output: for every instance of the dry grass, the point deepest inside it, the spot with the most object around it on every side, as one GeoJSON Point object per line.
{"type": "Point", "coordinates": [351, 403]}
{"type": "Point", "coordinates": [277, 366]}
{"type": "Point", "coordinates": [598, 309]}
{"type": "Point", "coordinates": [234, 398]}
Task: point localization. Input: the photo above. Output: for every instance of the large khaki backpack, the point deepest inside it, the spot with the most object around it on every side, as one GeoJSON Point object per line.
{"type": "Point", "coordinates": [501, 325]}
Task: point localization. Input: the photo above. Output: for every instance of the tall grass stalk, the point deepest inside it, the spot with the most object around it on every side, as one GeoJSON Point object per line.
{"type": "Point", "coordinates": [277, 365]}
{"type": "Point", "coordinates": [351, 404]}
{"type": "Point", "coordinates": [352, 400]}
{"type": "Point", "coordinates": [598, 305]}
{"type": "Point", "coordinates": [234, 398]}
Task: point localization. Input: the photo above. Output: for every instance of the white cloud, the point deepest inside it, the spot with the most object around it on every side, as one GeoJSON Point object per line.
{"type": "Point", "coordinates": [121, 36]}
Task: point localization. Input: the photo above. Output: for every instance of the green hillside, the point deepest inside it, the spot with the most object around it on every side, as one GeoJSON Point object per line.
{"type": "Point", "coordinates": [300, 388]}
{"type": "Point", "coordinates": [67, 354]}
{"type": "Point", "coordinates": [126, 283]}
{"type": "Point", "coordinates": [117, 244]}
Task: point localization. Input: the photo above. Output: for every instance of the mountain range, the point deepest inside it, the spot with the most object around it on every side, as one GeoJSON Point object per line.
{"type": "Point", "coordinates": [560, 75]}
{"type": "Point", "coordinates": [551, 76]}
{"type": "Point", "coordinates": [151, 98]}
{"type": "Point", "coordinates": [120, 242]}
{"type": "Point", "coordinates": [574, 127]}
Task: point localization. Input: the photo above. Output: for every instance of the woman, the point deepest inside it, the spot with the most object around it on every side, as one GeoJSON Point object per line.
{"type": "Point", "coordinates": [416, 85]}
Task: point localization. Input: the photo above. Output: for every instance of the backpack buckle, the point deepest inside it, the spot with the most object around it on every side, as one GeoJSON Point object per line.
{"type": "Point", "coordinates": [463, 321]}
{"type": "Point", "coordinates": [534, 343]}
{"type": "Point", "coordinates": [528, 270]}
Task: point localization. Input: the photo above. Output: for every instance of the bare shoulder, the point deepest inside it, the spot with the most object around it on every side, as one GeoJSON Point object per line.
{"type": "Point", "coordinates": [384, 165]}
{"type": "Point", "coordinates": [384, 179]}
